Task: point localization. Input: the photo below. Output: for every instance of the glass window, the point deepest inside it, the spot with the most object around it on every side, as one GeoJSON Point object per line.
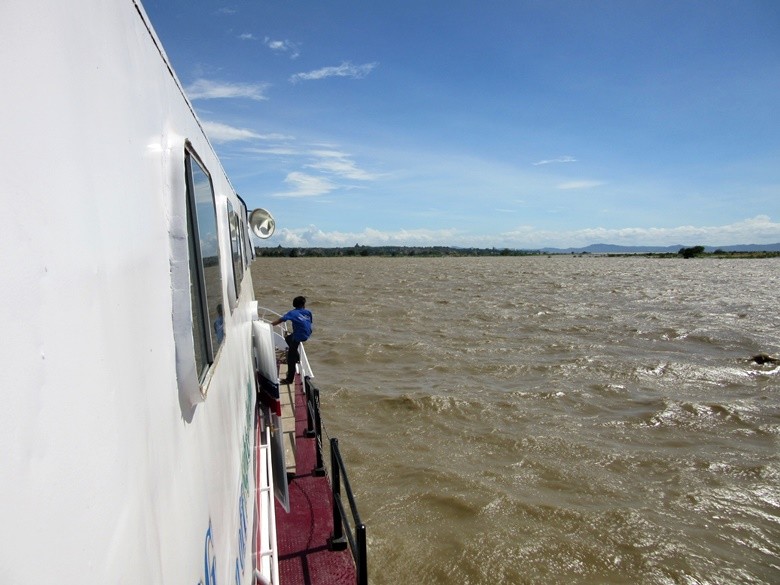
{"type": "Point", "coordinates": [246, 249]}
{"type": "Point", "coordinates": [236, 247]}
{"type": "Point", "coordinates": [205, 274]}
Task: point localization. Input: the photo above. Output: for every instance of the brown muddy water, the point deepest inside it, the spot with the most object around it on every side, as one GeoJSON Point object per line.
{"type": "Point", "coordinates": [551, 419]}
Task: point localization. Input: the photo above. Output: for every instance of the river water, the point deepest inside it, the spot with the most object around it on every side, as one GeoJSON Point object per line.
{"type": "Point", "coordinates": [551, 419]}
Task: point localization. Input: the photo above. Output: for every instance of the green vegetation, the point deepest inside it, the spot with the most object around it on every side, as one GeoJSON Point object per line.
{"type": "Point", "coordinates": [691, 252]}
{"type": "Point", "coordinates": [392, 251]}
{"type": "Point", "coordinates": [726, 254]}
{"type": "Point", "coordinates": [699, 252]}
{"type": "Point", "coordinates": [444, 251]}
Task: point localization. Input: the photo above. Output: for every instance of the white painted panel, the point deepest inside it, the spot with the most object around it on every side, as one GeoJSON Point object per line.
{"type": "Point", "coordinates": [109, 474]}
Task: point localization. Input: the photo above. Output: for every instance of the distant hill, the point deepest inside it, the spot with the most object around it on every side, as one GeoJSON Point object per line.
{"type": "Point", "coordinates": [614, 249]}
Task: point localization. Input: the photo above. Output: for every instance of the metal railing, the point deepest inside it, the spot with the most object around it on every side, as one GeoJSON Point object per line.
{"type": "Point", "coordinates": [264, 508]}
{"type": "Point", "coordinates": [344, 532]}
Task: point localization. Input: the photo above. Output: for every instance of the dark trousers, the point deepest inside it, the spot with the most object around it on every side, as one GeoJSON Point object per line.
{"type": "Point", "coordinates": [292, 357]}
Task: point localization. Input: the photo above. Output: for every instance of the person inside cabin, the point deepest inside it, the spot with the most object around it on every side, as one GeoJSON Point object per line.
{"type": "Point", "coordinates": [302, 321]}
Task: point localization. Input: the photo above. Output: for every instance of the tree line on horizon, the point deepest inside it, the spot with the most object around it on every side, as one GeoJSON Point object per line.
{"type": "Point", "coordinates": [392, 251]}
{"type": "Point", "coordinates": [443, 251]}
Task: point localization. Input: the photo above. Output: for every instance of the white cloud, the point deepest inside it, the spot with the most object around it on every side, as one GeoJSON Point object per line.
{"type": "Point", "coordinates": [579, 184]}
{"type": "Point", "coordinates": [247, 37]}
{"type": "Point", "coordinates": [323, 153]}
{"type": "Point", "coordinates": [275, 151]}
{"type": "Point", "coordinates": [220, 133]}
{"type": "Point", "coordinates": [303, 185]}
{"type": "Point", "coordinates": [339, 163]}
{"type": "Point", "coordinates": [322, 168]}
{"type": "Point", "coordinates": [313, 236]}
{"type": "Point", "coordinates": [324, 160]}
{"type": "Point", "coordinates": [561, 159]}
{"type": "Point", "coordinates": [346, 69]}
{"type": "Point", "coordinates": [204, 89]}
{"type": "Point", "coordinates": [283, 47]}
{"type": "Point", "coordinates": [757, 230]}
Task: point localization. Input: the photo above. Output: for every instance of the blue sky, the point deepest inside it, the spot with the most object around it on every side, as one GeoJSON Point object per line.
{"type": "Point", "coordinates": [506, 123]}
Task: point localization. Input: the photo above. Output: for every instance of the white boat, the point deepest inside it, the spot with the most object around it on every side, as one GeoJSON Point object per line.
{"type": "Point", "coordinates": [129, 373]}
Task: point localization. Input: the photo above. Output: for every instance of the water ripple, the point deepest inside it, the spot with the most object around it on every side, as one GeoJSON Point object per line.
{"type": "Point", "coordinates": [552, 420]}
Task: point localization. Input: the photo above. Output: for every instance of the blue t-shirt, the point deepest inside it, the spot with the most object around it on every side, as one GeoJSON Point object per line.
{"type": "Point", "coordinates": [301, 320]}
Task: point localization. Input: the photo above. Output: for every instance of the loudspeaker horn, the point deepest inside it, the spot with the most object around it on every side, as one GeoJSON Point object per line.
{"type": "Point", "coordinates": [262, 223]}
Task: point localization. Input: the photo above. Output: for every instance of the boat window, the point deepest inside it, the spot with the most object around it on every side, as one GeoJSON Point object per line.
{"type": "Point", "coordinates": [236, 246]}
{"type": "Point", "coordinates": [246, 250]}
{"type": "Point", "coordinates": [244, 235]}
{"type": "Point", "coordinates": [205, 274]}
{"type": "Point", "coordinates": [249, 252]}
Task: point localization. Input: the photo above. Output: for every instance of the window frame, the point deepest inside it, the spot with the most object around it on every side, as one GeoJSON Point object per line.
{"type": "Point", "coordinates": [204, 340]}
{"type": "Point", "coordinates": [237, 256]}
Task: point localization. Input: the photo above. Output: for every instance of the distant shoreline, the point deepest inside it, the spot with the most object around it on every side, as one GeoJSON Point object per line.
{"type": "Point", "coordinates": [447, 251]}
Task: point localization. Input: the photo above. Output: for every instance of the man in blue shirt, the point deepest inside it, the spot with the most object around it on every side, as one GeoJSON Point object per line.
{"type": "Point", "coordinates": [302, 320]}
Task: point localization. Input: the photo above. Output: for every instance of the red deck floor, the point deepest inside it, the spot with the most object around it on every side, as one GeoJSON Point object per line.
{"type": "Point", "coordinates": [302, 534]}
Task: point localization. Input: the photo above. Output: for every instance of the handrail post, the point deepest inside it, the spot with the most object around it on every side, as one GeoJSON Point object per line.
{"type": "Point", "coordinates": [310, 431]}
{"type": "Point", "coordinates": [338, 541]}
{"type": "Point", "coordinates": [362, 565]}
{"type": "Point", "coordinates": [318, 471]}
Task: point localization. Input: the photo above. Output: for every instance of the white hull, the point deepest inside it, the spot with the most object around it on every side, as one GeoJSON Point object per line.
{"type": "Point", "coordinates": [118, 466]}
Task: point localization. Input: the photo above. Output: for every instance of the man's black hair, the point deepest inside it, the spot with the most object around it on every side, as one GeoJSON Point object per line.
{"type": "Point", "coordinates": [299, 302]}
